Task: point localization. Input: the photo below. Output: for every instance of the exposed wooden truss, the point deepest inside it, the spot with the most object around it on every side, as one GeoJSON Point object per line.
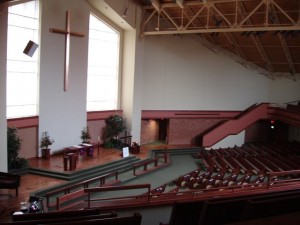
{"type": "Point", "coordinates": [260, 32]}
{"type": "Point", "coordinates": [216, 16]}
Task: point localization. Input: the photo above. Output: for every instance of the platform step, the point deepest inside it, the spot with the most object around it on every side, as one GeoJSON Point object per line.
{"type": "Point", "coordinates": [118, 165]}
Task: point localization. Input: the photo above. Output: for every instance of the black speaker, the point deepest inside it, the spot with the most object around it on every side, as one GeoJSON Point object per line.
{"type": "Point", "coordinates": [30, 48]}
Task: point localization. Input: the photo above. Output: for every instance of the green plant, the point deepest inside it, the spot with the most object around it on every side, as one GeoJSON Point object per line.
{"type": "Point", "coordinates": [115, 124]}
{"type": "Point", "coordinates": [85, 134]}
{"type": "Point", "coordinates": [13, 148]}
{"type": "Point", "coordinates": [135, 144]}
{"type": "Point", "coordinates": [46, 140]}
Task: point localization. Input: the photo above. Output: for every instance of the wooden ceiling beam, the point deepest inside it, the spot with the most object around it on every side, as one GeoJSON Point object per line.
{"type": "Point", "coordinates": [221, 30]}
{"type": "Point", "coordinates": [257, 42]}
{"type": "Point", "coordinates": [238, 24]}
{"type": "Point", "coordinates": [180, 3]}
{"type": "Point", "coordinates": [194, 17]}
{"type": "Point", "coordinates": [156, 5]}
{"type": "Point", "coordinates": [231, 39]}
{"type": "Point", "coordinates": [207, 37]}
{"type": "Point", "coordinates": [283, 12]}
{"type": "Point", "coordinates": [284, 45]}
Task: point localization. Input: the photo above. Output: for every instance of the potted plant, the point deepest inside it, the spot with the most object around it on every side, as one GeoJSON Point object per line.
{"type": "Point", "coordinates": [115, 124]}
{"type": "Point", "coordinates": [13, 148]}
{"type": "Point", "coordinates": [85, 135]}
{"type": "Point", "coordinates": [46, 141]}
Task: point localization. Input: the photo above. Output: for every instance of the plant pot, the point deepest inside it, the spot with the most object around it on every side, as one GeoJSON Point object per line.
{"type": "Point", "coordinates": [46, 153]}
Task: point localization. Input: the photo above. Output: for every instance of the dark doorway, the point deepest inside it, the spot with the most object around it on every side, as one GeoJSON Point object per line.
{"type": "Point", "coordinates": [163, 130]}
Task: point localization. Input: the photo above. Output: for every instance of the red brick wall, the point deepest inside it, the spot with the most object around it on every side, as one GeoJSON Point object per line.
{"type": "Point", "coordinates": [149, 131]}
{"type": "Point", "coordinates": [185, 131]}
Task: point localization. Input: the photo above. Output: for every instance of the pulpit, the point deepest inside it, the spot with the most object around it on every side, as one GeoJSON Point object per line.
{"type": "Point", "coordinates": [70, 160]}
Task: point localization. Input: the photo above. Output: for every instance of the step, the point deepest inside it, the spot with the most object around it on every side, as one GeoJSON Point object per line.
{"type": "Point", "coordinates": [121, 164]}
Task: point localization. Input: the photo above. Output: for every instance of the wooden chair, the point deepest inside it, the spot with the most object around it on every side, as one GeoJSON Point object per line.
{"type": "Point", "coordinates": [158, 191]}
{"type": "Point", "coordinates": [245, 179]}
{"type": "Point", "coordinates": [10, 181]}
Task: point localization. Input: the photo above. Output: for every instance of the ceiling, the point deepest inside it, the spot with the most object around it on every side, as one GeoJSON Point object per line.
{"type": "Point", "coordinates": [262, 34]}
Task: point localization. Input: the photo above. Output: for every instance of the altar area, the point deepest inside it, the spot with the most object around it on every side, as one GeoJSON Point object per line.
{"type": "Point", "coordinates": [100, 156]}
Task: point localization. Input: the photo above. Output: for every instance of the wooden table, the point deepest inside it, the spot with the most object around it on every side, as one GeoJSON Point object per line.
{"type": "Point", "coordinates": [83, 149]}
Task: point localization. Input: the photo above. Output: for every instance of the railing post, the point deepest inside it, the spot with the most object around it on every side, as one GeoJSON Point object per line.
{"type": "Point", "coordinates": [165, 157]}
{"type": "Point", "coordinates": [156, 162]}
{"type": "Point", "coordinates": [57, 203]}
{"type": "Point", "coordinates": [89, 200]}
{"type": "Point", "coordinates": [149, 194]}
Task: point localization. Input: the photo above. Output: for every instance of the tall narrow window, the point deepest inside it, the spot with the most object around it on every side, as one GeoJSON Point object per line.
{"type": "Point", "coordinates": [103, 66]}
{"type": "Point", "coordinates": [22, 72]}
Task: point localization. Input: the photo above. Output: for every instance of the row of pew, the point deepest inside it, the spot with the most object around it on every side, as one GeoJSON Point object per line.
{"type": "Point", "coordinates": [210, 179]}
{"type": "Point", "coordinates": [253, 157]}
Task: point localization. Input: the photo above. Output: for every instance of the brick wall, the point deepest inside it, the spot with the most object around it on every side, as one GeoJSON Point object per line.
{"type": "Point", "coordinates": [185, 131]}
{"type": "Point", "coordinates": [149, 131]}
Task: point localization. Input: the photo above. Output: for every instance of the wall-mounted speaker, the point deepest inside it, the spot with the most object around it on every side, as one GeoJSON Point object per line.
{"type": "Point", "coordinates": [30, 48]}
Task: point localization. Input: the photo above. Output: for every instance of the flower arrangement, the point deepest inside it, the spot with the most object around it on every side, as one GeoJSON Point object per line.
{"type": "Point", "coordinates": [85, 135]}
{"type": "Point", "coordinates": [135, 144]}
{"type": "Point", "coordinates": [46, 140]}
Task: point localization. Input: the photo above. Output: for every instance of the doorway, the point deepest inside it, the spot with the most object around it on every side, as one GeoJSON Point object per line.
{"type": "Point", "coordinates": [163, 130]}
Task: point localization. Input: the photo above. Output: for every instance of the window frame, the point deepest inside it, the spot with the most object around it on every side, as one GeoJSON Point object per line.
{"type": "Point", "coordinates": [37, 61]}
{"type": "Point", "coordinates": [118, 29]}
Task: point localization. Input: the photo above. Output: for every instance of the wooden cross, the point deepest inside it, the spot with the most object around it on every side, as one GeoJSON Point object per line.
{"type": "Point", "coordinates": [67, 32]}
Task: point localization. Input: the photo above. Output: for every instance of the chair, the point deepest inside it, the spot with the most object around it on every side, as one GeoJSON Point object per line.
{"type": "Point", "coordinates": [10, 181]}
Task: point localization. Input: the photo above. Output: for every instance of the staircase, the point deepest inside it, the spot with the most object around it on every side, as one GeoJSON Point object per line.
{"type": "Point", "coordinates": [236, 125]}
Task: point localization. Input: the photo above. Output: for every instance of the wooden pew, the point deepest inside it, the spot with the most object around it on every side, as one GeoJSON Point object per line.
{"type": "Point", "coordinates": [127, 200]}
{"type": "Point", "coordinates": [155, 192]}
{"type": "Point", "coordinates": [146, 163]}
{"type": "Point", "coordinates": [271, 165]}
{"type": "Point", "coordinates": [183, 180]}
{"type": "Point", "coordinates": [76, 191]}
{"type": "Point", "coordinates": [197, 183]}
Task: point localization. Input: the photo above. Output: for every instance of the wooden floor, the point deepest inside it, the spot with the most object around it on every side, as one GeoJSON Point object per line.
{"type": "Point", "coordinates": [32, 183]}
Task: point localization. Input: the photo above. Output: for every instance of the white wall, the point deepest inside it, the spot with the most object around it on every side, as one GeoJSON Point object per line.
{"type": "Point", "coordinates": [230, 141]}
{"type": "Point", "coordinates": [63, 114]}
{"type": "Point", "coordinates": [283, 90]}
{"type": "Point", "coordinates": [131, 81]}
{"type": "Point", "coordinates": [180, 73]}
{"type": "Point", "coordinates": [3, 124]}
